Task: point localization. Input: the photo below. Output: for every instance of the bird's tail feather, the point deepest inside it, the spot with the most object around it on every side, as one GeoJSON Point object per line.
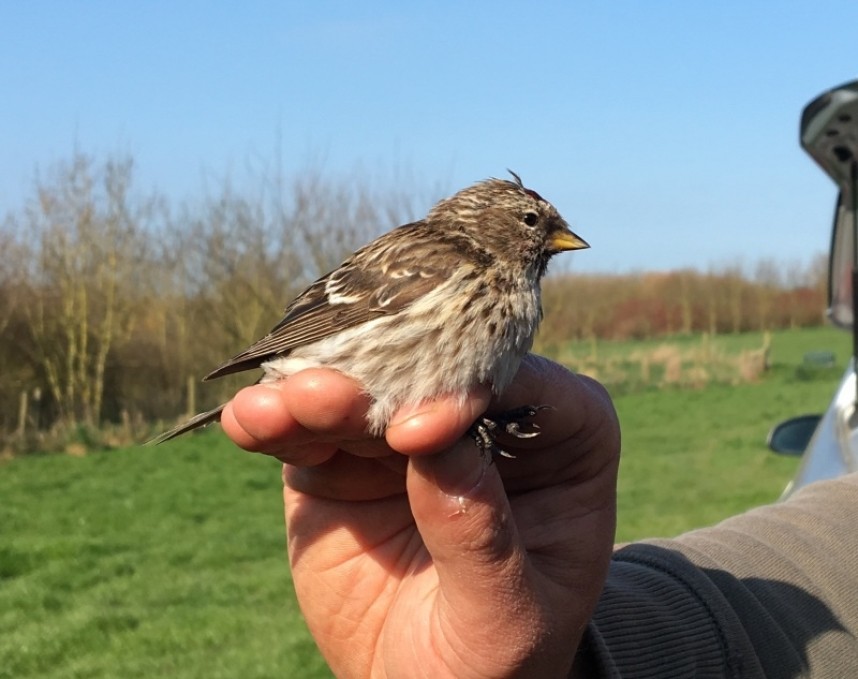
{"type": "Point", "coordinates": [195, 422]}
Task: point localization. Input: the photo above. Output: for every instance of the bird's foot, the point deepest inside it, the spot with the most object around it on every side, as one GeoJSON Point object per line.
{"type": "Point", "coordinates": [485, 430]}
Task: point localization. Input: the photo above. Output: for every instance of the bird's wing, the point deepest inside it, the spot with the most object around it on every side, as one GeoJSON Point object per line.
{"type": "Point", "coordinates": [381, 279]}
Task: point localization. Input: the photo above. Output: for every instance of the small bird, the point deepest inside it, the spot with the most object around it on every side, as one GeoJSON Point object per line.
{"type": "Point", "coordinates": [430, 308]}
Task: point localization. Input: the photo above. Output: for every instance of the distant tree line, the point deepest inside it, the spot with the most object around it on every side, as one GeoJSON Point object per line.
{"type": "Point", "coordinates": [113, 302]}
{"type": "Point", "coordinates": [729, 299]}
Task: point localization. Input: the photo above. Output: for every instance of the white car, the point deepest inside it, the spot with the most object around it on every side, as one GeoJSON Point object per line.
{"type": "Point", "coordinates": [828, 443]}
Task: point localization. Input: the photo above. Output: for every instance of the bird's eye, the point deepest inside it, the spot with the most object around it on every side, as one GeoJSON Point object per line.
{"type": "Point", "coordinates": [531, 218]}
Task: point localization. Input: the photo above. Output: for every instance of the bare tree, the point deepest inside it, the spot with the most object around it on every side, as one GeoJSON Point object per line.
{"type": "Point", "coordinates": [84, 278]}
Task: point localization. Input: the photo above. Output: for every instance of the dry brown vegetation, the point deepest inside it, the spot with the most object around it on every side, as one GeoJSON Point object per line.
{"type": "Point", "coordinates": [686, 362]}
{"type": "Point", "coordinates": [114, 302]}
{"type": "Point", "coordinates": [645, 305]}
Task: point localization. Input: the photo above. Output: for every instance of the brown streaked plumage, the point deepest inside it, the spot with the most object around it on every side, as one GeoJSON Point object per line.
{"type": "Point", "coordinates": [430, 308]}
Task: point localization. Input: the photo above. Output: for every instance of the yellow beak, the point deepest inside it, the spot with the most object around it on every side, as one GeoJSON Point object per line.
{"type": "Point", "coordinates": [566, 240]}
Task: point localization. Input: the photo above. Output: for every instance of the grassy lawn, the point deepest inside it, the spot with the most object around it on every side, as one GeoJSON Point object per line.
{"type": "Point", "coordinates": [170, 561]}
{"type": "Point", "coordinates": [163, 561]}
{"type": "Point", "coordinates": [692, 457]}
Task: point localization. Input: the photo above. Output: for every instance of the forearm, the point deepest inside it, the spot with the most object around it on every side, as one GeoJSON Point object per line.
{"type": "Point", "coordinates": [770, 593]}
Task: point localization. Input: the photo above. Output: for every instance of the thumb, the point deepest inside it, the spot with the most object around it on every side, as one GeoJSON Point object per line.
{"type": "Point", "coordinates": [463, 515]}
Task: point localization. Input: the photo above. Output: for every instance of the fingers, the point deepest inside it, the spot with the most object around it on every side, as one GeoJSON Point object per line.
{"type": "Point", "coordinates": [317, 407]}
{"type": "Point", "coordinates": [306, 418]}
{"type": "Point", "coordinates": [435, 425]}
{"type": "Point", "coordinates": [255, 416]}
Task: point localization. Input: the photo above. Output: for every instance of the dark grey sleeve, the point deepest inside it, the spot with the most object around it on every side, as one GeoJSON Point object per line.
{"type": "Point", "coordinates": [771, 593]}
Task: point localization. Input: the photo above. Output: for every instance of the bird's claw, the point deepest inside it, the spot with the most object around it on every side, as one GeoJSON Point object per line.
{"type": "Point", "coordinates": [485, 429]}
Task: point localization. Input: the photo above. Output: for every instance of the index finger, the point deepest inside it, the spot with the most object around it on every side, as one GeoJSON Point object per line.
{"type": "Point", "coordinates": [321, 405]}
{"type": "Point", "coordinates": [310, 406]}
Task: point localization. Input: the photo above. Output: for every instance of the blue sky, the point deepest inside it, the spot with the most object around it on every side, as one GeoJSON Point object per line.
{"type": "Point", "coordinates": [665, 132]}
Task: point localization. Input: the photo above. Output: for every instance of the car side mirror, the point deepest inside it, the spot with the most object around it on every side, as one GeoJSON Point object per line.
{"type": "Point", "coordinates": [791, 436]}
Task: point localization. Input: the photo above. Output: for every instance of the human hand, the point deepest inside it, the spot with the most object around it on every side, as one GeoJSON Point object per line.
{"type": "Point", "coordinates": [414, 556]}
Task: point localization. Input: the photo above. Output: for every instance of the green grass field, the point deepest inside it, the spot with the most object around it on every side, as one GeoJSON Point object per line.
{"type": "Point", "coordinates": [170, 561]}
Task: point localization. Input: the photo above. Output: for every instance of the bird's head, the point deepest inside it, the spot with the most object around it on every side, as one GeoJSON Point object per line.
{"type": "Point", "coordinates": [508, 219]}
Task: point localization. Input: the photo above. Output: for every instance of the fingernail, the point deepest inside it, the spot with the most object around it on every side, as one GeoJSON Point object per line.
{"type": "Point", "coordinates": [268, 385]}
{"type": "Point", "coordinates": [408, 413]}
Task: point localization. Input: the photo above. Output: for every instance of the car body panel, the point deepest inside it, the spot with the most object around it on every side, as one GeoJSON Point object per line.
{"type": "Point", "coordinates": [833, 448]}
